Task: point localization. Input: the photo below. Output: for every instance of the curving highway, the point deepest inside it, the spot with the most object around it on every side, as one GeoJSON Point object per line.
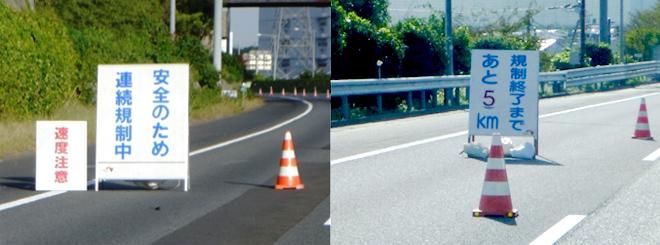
{"type": "Point", "coordinates": [234, 163]}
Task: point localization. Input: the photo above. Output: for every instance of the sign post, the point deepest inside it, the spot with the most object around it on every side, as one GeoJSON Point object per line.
{"type": "Point", "coordinates": [61, 161]}
{"type": "Point", "coordinates": [142, 123]}
{"type": "Point", "coordinates": [504, 93]}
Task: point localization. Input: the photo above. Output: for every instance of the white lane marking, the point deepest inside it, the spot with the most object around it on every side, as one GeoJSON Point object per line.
{"type": "Point", "coordinates": [596, 105]}
{"type": "Point", "coordinates": [558, 230]}
{"type": "Point", "coordinates": [396, 147]}
{"type": "Point", "coordinates": [206, 149]}
{"type": "Point", "coordinates": [327, 223]}
{"type": "Point", "coordinates": [229, 142]}
{"type": "Point", "coordinates": [27, 200]}
{"type": "Point", "coordinates": [653, 156]}
{"type": "Point", "coordinates": [424, 141]}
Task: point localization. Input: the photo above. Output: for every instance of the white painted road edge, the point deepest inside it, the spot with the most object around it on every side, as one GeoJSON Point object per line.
{"type": "Point", "coordinates": [45, 195]}
{"type": "Point", "coordinates": [424, 141]}
{"type": "Point", "coordinates": [327, 223]}
{"type": "Point", "coordinates": [558, 230]}
{"type": "Point", "coordinates": [653, 156]}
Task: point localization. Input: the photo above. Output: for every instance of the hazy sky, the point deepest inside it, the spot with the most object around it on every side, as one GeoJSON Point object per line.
{"type": "Point", "coordinates": [400, 9]}
{"type": "Point", "coordinates": [244, 22]}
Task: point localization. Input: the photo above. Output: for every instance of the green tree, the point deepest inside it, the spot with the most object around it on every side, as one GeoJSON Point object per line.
{"type": "Point", "coordinates": [642, 33]}
{"type": "Point", "coordinates": [357, 45]}
{"type": "Point", "coordinates": [425, 53]}
{"type": "Point", "coordinates": [373, 10]}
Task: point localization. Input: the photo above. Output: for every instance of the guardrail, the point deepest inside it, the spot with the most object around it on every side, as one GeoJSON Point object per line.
{"type": "Point", "coordinates": [559, 80]}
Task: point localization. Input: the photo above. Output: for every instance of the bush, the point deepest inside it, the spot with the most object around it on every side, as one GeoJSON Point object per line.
{"type": "Point", "coordinates": [37, 63]}
{"type": "Point", "coordinates": [600, 54]}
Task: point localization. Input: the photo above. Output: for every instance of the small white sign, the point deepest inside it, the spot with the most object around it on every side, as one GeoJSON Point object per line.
{"type": "Point", "coordinates": [504, 92]}
{"type": "Point", "coordinates": [61, 161]}
{"type": "Point", "coordinates": [142, 122]}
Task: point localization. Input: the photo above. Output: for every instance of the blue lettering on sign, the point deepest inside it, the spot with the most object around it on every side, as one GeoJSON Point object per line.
{"type": "Point", "coordinates": [516, 122]}
{"type": "Point", "coordinates": [161, 111]}
{"type": "Point", "coordinates": [487, 122]}
{"type": "Point", "coordinates": [491, 61]}
{"type": "Point", "coordinates": [123, 120]}
{"type": "Point", "coordinates": [488, 75]}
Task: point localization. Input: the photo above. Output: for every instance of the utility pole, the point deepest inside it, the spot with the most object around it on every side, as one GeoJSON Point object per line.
{"type": "Point", "coordinates": [604, 23]}
{"type": "Point", "coordinates": [582, 31]}
{"type": "Point", "coordinates": [622, 56]}
{"type": "Point", "coordinates": [217, 35]}
{"type": "Point", "coordinates": [450, 36]}
{"type": "Point", "coordinates": [172, 18]}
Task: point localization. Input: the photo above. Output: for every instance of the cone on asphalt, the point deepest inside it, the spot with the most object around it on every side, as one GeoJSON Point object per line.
{"type": "Point", "coordinates": [495, 195]}
{"type": "Point", "coordinates": [327, 94]}
{"type": "Point", "coordinates": [271, 90]}
{"type": "Point", "coordinates": [642, 130]}
{"type": "Point", "coordinates": [283, 92]}
{"type": "Point", "coordinates": [288, 178]}
{"type": "Point", "coordinates": [315, 93]}
{"type": "Point", "coordinates": [304, 92]}
{"type": "Point", "coordinates": [295, 91]}
{"type": "Point", "coordinates": [260, 92]}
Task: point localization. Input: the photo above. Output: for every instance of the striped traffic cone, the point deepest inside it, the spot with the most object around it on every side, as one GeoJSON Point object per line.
{"type": "Point", "coordinates": [642, 130]}
{"type": "Point", "coordinates": [271, 90]}
{"type": "Point", "coordinates": [283, 92]}
{"type": "Point", "coordinates": [327, 94]}
{"type": "Point", "coordinates": [288, 178]}
{"type": "Point", "coordinates": [495, 195]}
{"type": "Point", "coordinates": [295, 91]}
{"type": "Point", "coordinates": [304, 92]}
{"type": "Point", "coordinates": [260, 92]}
{"type": "Point", "coordinates": [316, 95]}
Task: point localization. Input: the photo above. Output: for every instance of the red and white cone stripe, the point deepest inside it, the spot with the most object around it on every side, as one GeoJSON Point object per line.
{"type": "Point", "coordinates": [495, 194]}
{"type": "Point", "coordinates": [271, 90]}
{"type": "Point", "coordinates": [304, 92]}
{"type": "Point", "coordinates": [288, 177]}
{"type": "Point", "coordinates": [642, 129]}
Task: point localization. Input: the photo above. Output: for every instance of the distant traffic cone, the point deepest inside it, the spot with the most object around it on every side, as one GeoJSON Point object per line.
{"type": "Point", "coordinates": [271, 90]}
{"type": "Point", "coordinates": [283, 92]}
{"type": "Point", "coordinates": [495, 195]}
{"type": "Point", "coordinates": [288, 178]}
{"type": "Point", "coordinates": [316, 95]}
{"type": "Point", "coordinates": [260, 92]}
{"type": "Point", "coordinates": [295, 91]}
{"type": "Point", "coordinates": [642, 130]}
{"type": "Point", "coordinates": [304, 92]}
{"type": "Point", "coordinates": [327, 94]}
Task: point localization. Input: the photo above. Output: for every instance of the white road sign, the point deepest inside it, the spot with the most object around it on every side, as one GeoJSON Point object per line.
{"type": "Point", "coordinates": [142, 122]}
{"type": "Point", "coordinates": [504, 92]}
{"type": "Point", "coordinates": [61, 161]}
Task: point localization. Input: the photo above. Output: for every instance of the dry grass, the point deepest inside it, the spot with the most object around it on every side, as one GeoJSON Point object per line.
{"type": "Point", "coordinates": [228, 107]}
{"type": "Point", "coordinates": [20, 136]}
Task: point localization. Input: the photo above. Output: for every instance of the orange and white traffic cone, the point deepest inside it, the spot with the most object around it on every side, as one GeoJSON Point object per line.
{"type": "Point", "coordinates": [642, 130]}
{"type": "Point", "coordinates": [495, 195]}
{"type": "Point", "coordinates": [288, 178]}
{"type": "Point", "coordinates": [316, 95]}
{"type": "Point", "coordinates": [283, 92]}
{"type": "Point", "coordinates": [271, 90]}
{"type": "Point", "coordinates": [260, 92]}
{"type": "Point", "coordinates": [304, 92]}
{"type": "Point", "coordinates": [295, 91]}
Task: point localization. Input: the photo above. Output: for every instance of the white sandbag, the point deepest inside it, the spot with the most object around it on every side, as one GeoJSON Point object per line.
{"type": "Point", "coordinates": [475, 150]}
{"type": "Point", "coordinates": [525, 151]}
{"type": "Point", "coordinates": [507, 145]}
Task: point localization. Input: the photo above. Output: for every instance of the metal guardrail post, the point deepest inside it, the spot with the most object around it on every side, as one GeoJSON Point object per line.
{"type": "Point", "coordinates": [447, 98]}
{"type": "Point", "coordinates": [422, 99]}
{"type": "Point", "coordinates": [379, 103]}
{"type": "Point", "coordinates": [434, 99]}
{"type": "Point", "coordinates": [457, 96]}
{"type": "Point", "coordinates": [344, 108]}
{"type": "Point", "coordinates": [410, 101]}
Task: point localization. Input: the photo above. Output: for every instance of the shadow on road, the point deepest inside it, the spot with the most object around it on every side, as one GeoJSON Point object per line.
{"type": "Point", "coordinates": [504, 220]}
{"type": "Point", "coordinates": [24, 183]}
{"type": "Point", "coordinates": [251, 184]}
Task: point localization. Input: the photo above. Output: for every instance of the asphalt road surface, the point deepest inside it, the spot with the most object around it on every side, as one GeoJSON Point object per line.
{"type": "Point", "coordinates": [231, 200]}
{"type": "Point", "coordinates": [404, 182]}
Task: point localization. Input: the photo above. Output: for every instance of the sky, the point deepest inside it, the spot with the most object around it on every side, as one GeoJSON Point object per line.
{"type": "Point", "coordinates": [400, 9]}
{"type": "Point", "coordinates": [244, 23]}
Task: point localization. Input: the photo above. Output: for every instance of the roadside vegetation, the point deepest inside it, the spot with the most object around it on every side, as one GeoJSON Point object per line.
{"type": "Point", "coordinates": [49, 59]}
{"type": "Point", "coordinates": [363, 34]}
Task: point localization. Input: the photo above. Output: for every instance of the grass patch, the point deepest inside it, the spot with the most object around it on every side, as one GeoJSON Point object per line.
{"type": "Point", "coordinates": [20, 135]}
